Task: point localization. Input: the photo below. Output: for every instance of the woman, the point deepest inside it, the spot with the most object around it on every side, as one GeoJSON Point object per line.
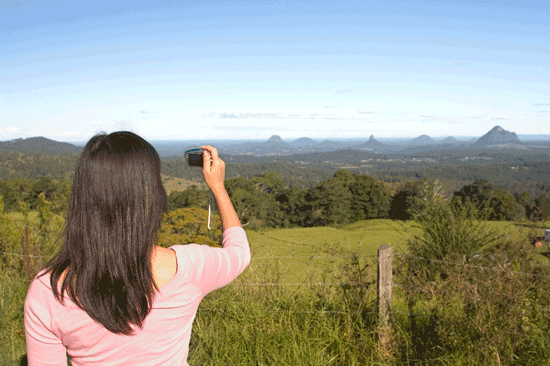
{"type": "Point", "coordinates": [112, 297]}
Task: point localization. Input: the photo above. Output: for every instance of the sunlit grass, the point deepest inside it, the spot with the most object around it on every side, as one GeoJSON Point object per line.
{"type": "Point", "coordinates": [309, 324]}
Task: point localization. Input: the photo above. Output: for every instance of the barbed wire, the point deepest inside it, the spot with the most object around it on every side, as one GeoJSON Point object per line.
{"type": "Point", "coordinates": [350, 256]}
{"type": "Point", "coordinates": [438, 318]}
{"type": "Point", "coordinates": [285, 241]}
{"type": "Point", "coordinates": [322, 311]}
{"type": "Point", "coordinates": [253, 257]}
{"type": "Point", "coordinates": [411, 287]}
{"type": "Point", "coordinates": [316, 256]}
{"type": "Point", "coordinates": [281, 284]}
{"type": "Point", "coordinates": [292, 311]}
{"type": "Point", "coordinates": [303, 283]}
{"type": "Point", "coordinates": [24, 255]}
{"type": "Point", "coordinates": [469, 265]}
{"type": "Point", "coordinates": [410, 314]}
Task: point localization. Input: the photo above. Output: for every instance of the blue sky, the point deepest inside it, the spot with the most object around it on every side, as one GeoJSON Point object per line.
{"type": "Point", "coordinates": [252, 69]}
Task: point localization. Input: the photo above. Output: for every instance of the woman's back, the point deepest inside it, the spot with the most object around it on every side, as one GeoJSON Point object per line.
{"type": "Point", "coordinates": [99, 299]}
{"type": "Point", "coordinates": [164, 339]}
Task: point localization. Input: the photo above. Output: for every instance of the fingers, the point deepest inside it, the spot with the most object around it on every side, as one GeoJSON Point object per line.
{"type": "Point", "coordinates": [213, 151]}
{"type": "Point", "coordinates": [206, 160]}
{"type": "Point", "coordinates": [213, 167]}
{"type": "Point", "coordinates": [210, 152]}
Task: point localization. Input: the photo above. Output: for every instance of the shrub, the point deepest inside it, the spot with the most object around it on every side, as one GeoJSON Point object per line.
{"type": "Point", "coordinates": [491, 308]}
{"type": "Point", "coordinates": [449, 231]}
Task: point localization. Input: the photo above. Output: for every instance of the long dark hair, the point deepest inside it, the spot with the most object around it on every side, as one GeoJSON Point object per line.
{"type": "Point", "coordinates": [114, 214]}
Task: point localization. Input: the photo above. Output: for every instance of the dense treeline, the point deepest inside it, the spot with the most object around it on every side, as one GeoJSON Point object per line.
{"type": "Point", "coordinates": [26, 166]}
{"type": "Point", "coordinates": [517, 169]}
{"type": "Point", "coordinates": [347, 197]}
{"type": "Point", "coordinates": [20, 194]}
{"type": "Point", "coordinates": [266, 200]}
{"type": "Point", "coordinates": [15, 165]}
{"type": "Point", "coordinates": [291, 174]}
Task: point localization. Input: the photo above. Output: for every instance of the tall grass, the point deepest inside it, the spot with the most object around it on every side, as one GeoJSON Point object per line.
{"type": "Point", "coordinates": [489, 305]}
{"type": "Point", "coordinates": [13, 290]}
{"type": "Point", "coordinates": [316, 324]}
{"type": "Point", "coordinates": [474, 296]}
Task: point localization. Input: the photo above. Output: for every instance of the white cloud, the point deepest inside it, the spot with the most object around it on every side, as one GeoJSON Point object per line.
{"type": "Point", "coordinates": [292, 116]}
{"type": "Point", "coordinates": [66, 133]}
{"type": "Point", "coordinates": [253, 115]}
{"type": "Point", "coordinates": [253, 128]}
{"type": "Point", "coordinates": [501, 118]}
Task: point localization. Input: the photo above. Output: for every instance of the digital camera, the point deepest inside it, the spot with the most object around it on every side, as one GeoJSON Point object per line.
{"type": "Point", "coordinates": [194, 157]}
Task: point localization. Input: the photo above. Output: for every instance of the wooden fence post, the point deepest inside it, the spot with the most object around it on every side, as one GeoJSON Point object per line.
{"type": "Point", "coordinates": [384, 298]}
{"type": "Point", "coordinates": [27, 254]}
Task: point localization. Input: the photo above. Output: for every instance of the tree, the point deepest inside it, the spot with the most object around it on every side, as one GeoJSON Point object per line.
{"type": "Point", "coordinates": [329, 202]}
{"type": "Point", "coordinates": [370, 198]}
{"type": "Point", "coordinates": [541, 210]}
{"type": "Point", "coordinates": [494, 203]}
{"type": "Point", "coordinates": [10, 241]}
{"type": "Point", "coordinates": [10, 195]}
{"type": "Point", "coordinates": [189, 225]}
{"type": "Point", "coordinates": [401, 204]}
{"type": "Point", "coordinates": [504, 206]}
{"type": "Point", "coordinates": [46, 186]}
{"type": "Point", "coordinates": [190, 197]}
{"type": "Point", "coordinates": [413, 197]}
{"type": "Point", "coordinates": [253, 204]}
{"type": "Point", "coordinates": [524, 200]}
{"type": "Point", "coordinates": [270, 182]}
{"type": "Point", "coordinates": [291, 203]}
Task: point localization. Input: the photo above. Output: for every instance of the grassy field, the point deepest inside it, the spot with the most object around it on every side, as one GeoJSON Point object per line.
{"type": "Point", "coordinates": [267, 325]}
{"type": "Point", "coordinates": [178, 184]}
{"type": "Point", "coordinates": [302, 253]}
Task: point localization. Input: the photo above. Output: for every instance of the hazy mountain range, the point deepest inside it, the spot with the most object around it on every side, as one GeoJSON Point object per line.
{"type": "Point", "coordinates": [496, 138]}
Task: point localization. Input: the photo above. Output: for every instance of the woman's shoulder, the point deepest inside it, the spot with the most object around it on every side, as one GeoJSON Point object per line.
{"type": "Point", "coordinates": [164, 264]}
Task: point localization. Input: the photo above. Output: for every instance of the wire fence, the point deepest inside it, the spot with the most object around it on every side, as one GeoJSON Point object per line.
{"type": "Point", "coordinates": [265, 257]}
{"type": "Point", "coordinates": [309, 283]}
{"type": "Point", "coordinates": [471, 265]}
{"type": "Point", "coordinates": [291, 311]}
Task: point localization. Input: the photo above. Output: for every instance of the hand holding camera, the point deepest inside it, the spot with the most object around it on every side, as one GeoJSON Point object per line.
{"type": "Point", "coordinates": [213, 168]}
{"type": "Point", "coordinates": [208, 159]}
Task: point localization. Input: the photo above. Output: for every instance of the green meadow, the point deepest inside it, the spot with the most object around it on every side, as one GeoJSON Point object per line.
{"type": "Point", "coordinates": [302, 321]}
{"type": "Point", "coordinates": [301, 254]}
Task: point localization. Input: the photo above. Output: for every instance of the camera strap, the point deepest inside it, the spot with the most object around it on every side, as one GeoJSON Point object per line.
{"type": "Point", "coordinates": [210, 204]}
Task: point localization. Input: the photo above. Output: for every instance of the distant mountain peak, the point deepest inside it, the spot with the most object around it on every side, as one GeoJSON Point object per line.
{"type": "Point", "coordinates": [371, 138]}
{"type": "Point", "coordinates": [496, 136]}
{"type": "Point", "coordinates": [422, 140]}
{"type": "Point", "coordinates": [305, 141]}
{"type": "Point", "coordinates": [39, 145]}
{"type": "Point", "coordinates": [275, 138]}
{"type": "Point", "coordinates": [449, 140]}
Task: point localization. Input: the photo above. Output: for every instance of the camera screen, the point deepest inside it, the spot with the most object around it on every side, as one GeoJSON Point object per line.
{"type": "Point", "coordinates": [194, 157]}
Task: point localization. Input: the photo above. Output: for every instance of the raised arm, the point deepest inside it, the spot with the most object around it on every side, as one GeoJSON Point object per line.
{"type": "Point", "coordinates": [214, 171]}
{"type": "Point", "coordinates": [216, 267]}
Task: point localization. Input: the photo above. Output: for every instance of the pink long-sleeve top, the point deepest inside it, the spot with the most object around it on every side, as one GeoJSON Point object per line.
{"type": "Point", "coordinates": [53, 329]}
